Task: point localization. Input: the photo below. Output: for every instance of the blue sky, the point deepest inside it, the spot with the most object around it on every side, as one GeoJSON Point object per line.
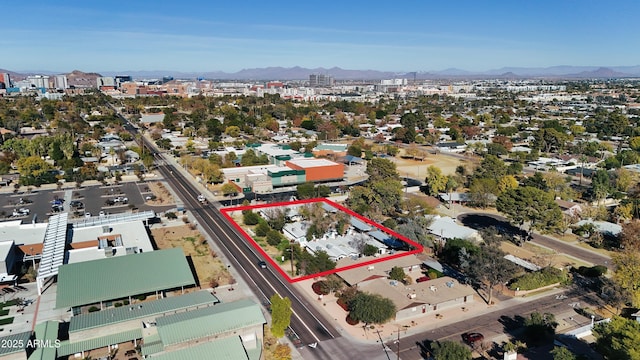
{"type": "Point", "coordinates": [387, 35]}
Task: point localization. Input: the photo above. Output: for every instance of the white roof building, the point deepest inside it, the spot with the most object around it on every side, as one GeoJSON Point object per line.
{"type": "Point", "coordinates": [447, 228]}
{"type": "Point", "coordinates": [103, 241]}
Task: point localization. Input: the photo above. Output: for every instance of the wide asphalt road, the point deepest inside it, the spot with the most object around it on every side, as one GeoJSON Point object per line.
{"type": "Point", "coordinates": [499, 321]}
{"type": "Point", "coordinates": [307, 323]}
{"type": "Point", "coordinates": [479, 220]}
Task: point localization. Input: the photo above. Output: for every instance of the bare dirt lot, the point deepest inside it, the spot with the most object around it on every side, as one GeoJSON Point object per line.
{"type": "Point", "coordinates": [417, 169]}
{"type": "Point", "coordinates": [210, 270]}
{"type": "Point", "coordinates": [162, 195]}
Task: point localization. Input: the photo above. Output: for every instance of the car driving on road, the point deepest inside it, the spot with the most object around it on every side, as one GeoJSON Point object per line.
{"type": "Point", "coordinates": [472, 338]}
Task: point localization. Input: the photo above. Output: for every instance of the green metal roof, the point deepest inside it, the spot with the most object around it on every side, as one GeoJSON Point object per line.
{"type": "Point", "coordinates": [280, 173]}
{"type": "Point", "coordinates": [192, 325]}
{"type": "Point", "coordinates": [152, 345]}
{"type": "Point", "coordinates": [68, 348]}
{"type": "Point", "coordinates": [334, 147]}
{"type": "Point", "coordinates": [118, 277]}
{"type": "Point", "coordinates": [224, 349]}
{"type": "Point", "coordinates": [14, 339]}
{"type": "Point", "coordinates": [47, 334]}
{"type": "Point", "coordinates": [141, 310]}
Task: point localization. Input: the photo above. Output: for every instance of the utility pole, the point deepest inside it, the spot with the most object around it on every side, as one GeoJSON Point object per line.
{"type": "Point", "coordinates": [383, 346]}
{"type": "Point", "coordinates": [292, 273]}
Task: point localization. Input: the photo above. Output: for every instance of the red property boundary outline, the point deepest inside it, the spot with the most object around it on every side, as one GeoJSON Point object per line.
{"type": "Point", "coordinates": [225, 212]}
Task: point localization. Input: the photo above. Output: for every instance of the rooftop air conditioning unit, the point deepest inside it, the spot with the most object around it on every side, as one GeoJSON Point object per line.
{"type": "Point", "coordinates": [411, 296]}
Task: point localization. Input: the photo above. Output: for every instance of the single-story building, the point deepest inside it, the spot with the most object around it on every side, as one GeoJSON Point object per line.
{"type": "Point", "coordinates": [101, 282]}
{"type": "Point", "coordinates": [423, 298]}
{"type": "Point", "coordinates": [445, 228]}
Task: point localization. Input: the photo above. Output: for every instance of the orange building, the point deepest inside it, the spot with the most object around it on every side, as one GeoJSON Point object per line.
{"type": "Point", "coordinates": [318, 169]}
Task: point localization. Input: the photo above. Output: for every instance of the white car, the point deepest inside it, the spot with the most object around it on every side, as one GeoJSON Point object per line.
{"type": "Point", "coordinates": [87, 215]}
{"type": "Point", "coordinates": [21, 212]}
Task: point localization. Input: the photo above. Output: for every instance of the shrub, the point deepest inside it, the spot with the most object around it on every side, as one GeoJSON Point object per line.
{"type": "Point", "coordinates": [351, 321]}
{"type": "Point", "coordinates": [6, 321]}
{"type": "Point", "coordinates": [369, 250]}
{"type": "Point", "coordinates": [593, 271]}
{"type": "Point", "coordinates": [141, 297]}
{"type": "Point", "coordinates": [433, 274]}
{"type": "Point", "coordinates": [274, 237]}
{"type": "Point", "coordinates": [263, 228]}
{"type": "Point", "coordinates": [320, 288]}
{"type": "Point", "coordinates": [343, 304]}
{"type": "Point", "coordinates": [538, 279]}
{"type": "Point", "coordinates": [251, 218]}
{"type": "Point", "coordinates": [126, 302]}
{"type": "Point", "coordinates": [117, 304]}
{"type": "Point", "coordinates": [93, 309]}
{"type": "Point", "coordinates": [171, 215]}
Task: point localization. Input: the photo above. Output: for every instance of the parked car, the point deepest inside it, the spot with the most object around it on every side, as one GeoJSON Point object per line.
{"type": "Point", "coordinates": [21, 212]}
{"type": "Point", "coordinates": [422, 279]}
{"type": "Point", "coordinates": [87, 215]}
{"type": "Point", "coordinates": [472, 338]}
{"type": "Point", "coordinates": [76, 204]}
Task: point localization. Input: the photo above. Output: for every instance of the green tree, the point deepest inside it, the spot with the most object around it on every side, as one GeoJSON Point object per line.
{"type": "Point", "coordinates": [32, 166]}
{"type": "Point", "coordinates": [371, 308]}
{"type": "Point", "coordinates": [436, 181]}
{"type": "Point", "coordinates": [450, 350]}
{"type": "Point", "coordinates": [414, 229]}
{"type": "Point", "coordinates": [274, 237]}
{"type": "Point", "coordinates": [618, 339]}
{"type": "Point", "coordinates": [280, 315]}
{"type": "Point", "coordinates": [397, 273]}
{"type": "Point", "coordinates": [305, 190]}
{"type": "Point", "coordinates": [380, 169]}
{"type": "Point", "coordinates": [482, 191]}
{"type": "Point", "coordinates": [489, 267]}
{"type": "Point", "coordinates": [562, 353]}
{"type": "Point", "coordinates": [627, 274]}
{"type": "Point", "coordinates": [540, 327]}
{"type": "Point", "coordinates": [229, 189]}
{"type": "Point", "coordinates": [250, 218]}
{"type": "Point", "coordinates": [263, 228]}
{"type": "Point", "coordinates": [528, 204]}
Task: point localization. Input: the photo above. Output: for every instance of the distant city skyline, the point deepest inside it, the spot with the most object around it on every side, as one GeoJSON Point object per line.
{"type": "Point", "coordinates": [389, 36]}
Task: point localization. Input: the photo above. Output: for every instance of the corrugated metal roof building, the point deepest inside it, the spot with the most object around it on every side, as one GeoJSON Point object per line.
{"type": "Point", "coordinates": [120, 277]}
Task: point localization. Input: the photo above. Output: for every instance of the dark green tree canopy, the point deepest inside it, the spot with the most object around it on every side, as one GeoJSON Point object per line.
{"type": "Point", "coordinates": [371, 308]}
{"type": "Point", "coordinates": [528, 204]}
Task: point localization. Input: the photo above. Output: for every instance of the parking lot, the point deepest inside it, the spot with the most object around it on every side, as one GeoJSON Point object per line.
{"type": "Point", "coordinates": [38, 204]}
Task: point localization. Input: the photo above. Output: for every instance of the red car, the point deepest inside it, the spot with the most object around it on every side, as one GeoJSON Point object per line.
{"type": "Point", "coordinates": [472, 338]}
{"type": "Point", "coordinates": [421, 279]}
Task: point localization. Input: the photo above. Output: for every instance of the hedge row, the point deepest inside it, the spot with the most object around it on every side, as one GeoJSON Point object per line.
{"type": "Point", "coordinates": [538, 279]}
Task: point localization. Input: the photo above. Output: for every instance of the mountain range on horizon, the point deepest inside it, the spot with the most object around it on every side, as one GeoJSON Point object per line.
{"type": "Point", "coordinates": [300, 73]}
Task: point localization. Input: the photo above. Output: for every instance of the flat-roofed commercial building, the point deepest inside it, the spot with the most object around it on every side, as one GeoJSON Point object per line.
{"type": "Point", "coordinates": [318, 169]}
{"type": "Point", "coordinates": [109, 240]}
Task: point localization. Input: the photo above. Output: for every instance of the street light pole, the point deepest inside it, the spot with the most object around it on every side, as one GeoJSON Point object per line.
{"type": "Point", "coordinates": [292, 273]}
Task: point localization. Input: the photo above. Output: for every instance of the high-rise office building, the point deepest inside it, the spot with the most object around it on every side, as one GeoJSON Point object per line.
{"type": "Point", "coordinates": [5, 80]}
{"type": "Point", "coordinates": [60, 82]}
{"type": "Point", "coordinates": [39, 81]}
{"type": "Point", "coordinates": [320, 80]}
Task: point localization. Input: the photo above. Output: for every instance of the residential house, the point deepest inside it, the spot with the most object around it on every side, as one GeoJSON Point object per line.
{"type": "Point", "coordinates": [446, 228]}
